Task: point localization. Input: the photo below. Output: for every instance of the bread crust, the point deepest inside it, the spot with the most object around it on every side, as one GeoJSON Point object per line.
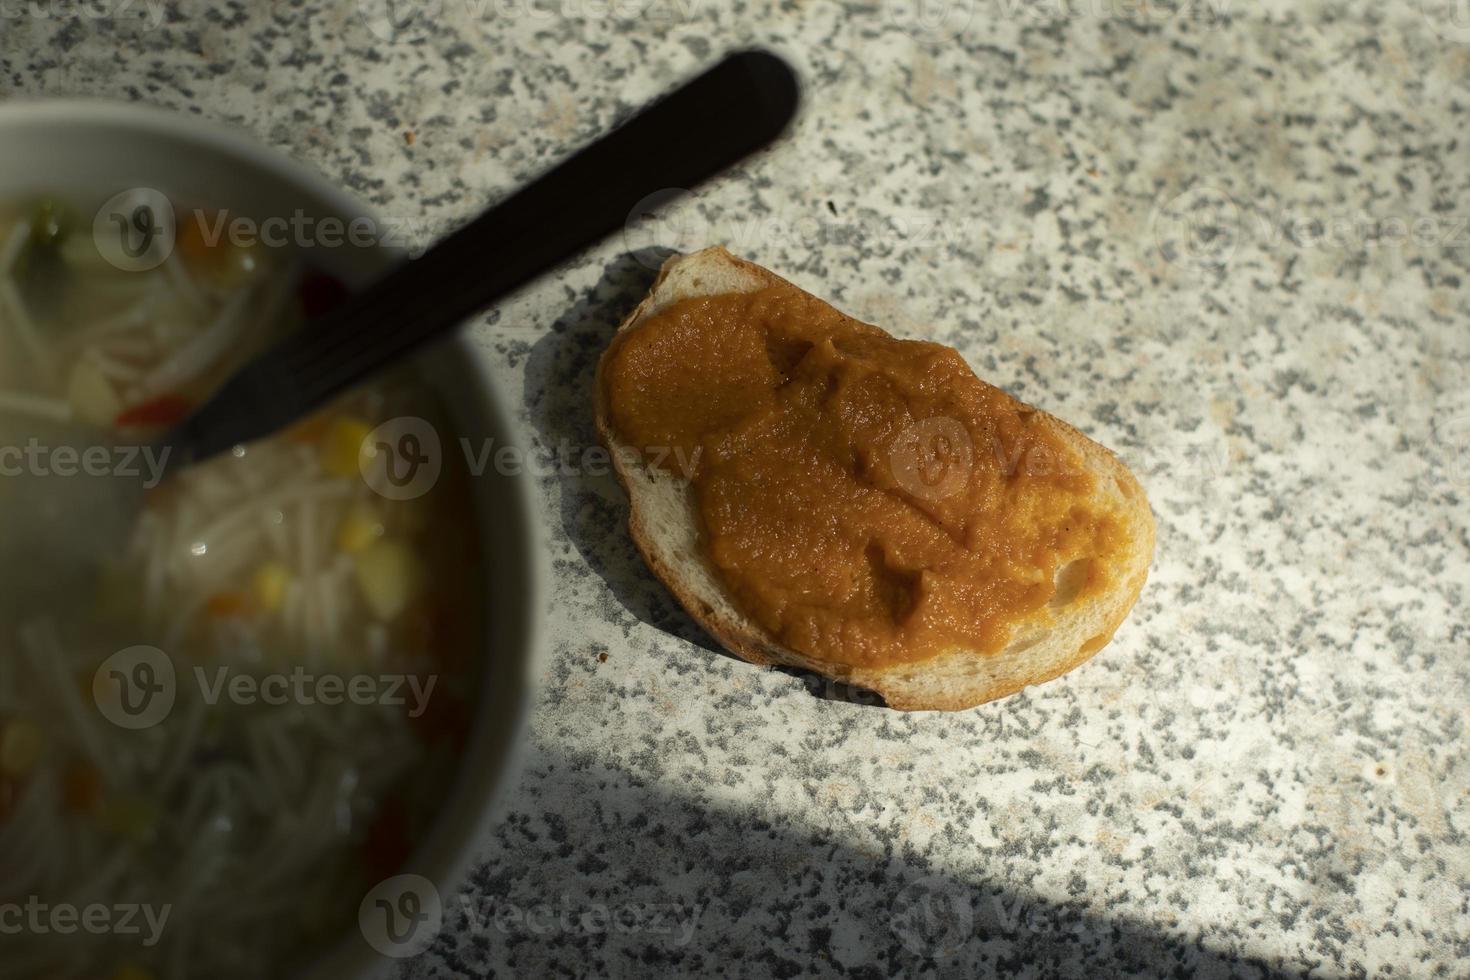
{"type": "Point", "coordinates": [667, 539]}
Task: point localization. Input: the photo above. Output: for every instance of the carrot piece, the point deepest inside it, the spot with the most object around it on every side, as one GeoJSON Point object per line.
{"type": "Point", "coordinates": [309, 430]}
{"type": "Point", "coordinates": [156, 413]}
{"type": "Point", "coordinates": [81, 787]}
{"type": "Point", "coordinates": [192, 242]}
{"type": "Point", "coordinates": [227, 605]}
{"type": "Point", "coordinates": [320, 294]}
{"type": "Point", "coordinates": [389, 843]}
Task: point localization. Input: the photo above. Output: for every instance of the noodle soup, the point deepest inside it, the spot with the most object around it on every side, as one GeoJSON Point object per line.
{"type": "Point", "coordinates": [251, 718]}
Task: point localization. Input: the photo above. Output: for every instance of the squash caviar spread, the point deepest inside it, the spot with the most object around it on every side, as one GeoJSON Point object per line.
{"type": "Point", "coordinates": [867, 500]}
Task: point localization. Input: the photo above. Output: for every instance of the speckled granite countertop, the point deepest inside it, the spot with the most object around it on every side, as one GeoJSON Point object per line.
{"type": "Point", "coordinates": [1228, 240]}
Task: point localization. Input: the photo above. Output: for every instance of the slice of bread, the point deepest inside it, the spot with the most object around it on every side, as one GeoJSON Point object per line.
{"type": "Point", "coordinates": [666, 529]}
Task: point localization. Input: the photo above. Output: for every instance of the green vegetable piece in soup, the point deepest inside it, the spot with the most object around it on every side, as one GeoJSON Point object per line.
{"type": "Point", "coordinates": [51, 222]}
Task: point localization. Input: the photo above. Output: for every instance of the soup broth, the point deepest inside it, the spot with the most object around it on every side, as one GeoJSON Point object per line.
{"type": "Point", "coordinates": [251, 715]}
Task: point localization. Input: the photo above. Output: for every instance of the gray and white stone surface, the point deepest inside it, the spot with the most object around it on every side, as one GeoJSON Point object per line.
{"type": "Point", "coordinates": [1228, 239]}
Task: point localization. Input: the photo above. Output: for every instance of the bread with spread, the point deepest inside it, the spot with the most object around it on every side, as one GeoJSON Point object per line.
{"type": "Point", "coordinates": [822, 495]}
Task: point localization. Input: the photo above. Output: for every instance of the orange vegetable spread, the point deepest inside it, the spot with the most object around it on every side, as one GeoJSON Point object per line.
{"type": "Point", "coordinates": [869, 501]}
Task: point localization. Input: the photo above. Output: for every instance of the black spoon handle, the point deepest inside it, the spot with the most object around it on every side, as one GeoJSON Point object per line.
{"type": "Point", "coordinates": [734, 109]}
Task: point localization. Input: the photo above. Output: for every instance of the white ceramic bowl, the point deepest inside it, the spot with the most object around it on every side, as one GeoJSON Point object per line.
{"type": "Point", "coordinates": [89, 150]}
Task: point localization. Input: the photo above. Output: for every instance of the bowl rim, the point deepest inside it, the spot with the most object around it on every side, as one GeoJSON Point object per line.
{"type": "Point", "coordinates": [472, 808]}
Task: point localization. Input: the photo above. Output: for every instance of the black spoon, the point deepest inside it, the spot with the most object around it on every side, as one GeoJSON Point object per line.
{"type": "Point", "coordinates": [720, 117]}
{"type": "Point", "coordinates": [734, 109]}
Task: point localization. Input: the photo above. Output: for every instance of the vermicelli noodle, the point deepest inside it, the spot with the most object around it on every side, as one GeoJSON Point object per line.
{"type": "Point", "coordinates": [258, 808]}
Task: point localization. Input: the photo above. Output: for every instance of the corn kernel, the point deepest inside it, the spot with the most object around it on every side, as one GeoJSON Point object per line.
{"type": "Point", "coordinates": [91, 395]}
{"type": "Point", "coordinates": [309, 430]}
{"type": "Point", "coordinates": [227, 605]}
{"type": "Point", "coordinates": [360, 528]}
{"type": "Point", "coordinates": [21, 744]}
{"type": "Point", "coordinates": [270, 584]}
{"type": "Point", "coordinates": [389, 576]}
{"type": "Point", "coordinates": [131, 971]}
{"type": "Point", "coordinates": [133, 817]}
{"type": "Point", "coordinates": [118, 597]}
{"type": "Point", "coordinates": [237, 266]}
{"type": "Point", "coordinates": [345, 446]}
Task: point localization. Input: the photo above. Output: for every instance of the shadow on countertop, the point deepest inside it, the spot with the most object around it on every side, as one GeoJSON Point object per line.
{"type": "Point", "coordinates": [560, 381]}
{"type": "Point", "coordinates": [597, 872]}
